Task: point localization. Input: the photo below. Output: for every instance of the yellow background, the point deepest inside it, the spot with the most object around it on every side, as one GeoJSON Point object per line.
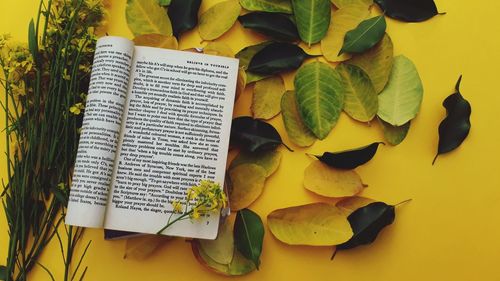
{"type": "Point", "coordinates": [451, 229]}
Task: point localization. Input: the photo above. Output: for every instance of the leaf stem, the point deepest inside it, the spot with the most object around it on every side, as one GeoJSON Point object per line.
{"type": "Point", "coordinates": [403, 202]}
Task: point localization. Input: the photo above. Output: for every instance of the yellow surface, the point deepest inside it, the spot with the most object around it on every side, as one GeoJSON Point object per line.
{"type": "Point", "coordinates": [451, 229]}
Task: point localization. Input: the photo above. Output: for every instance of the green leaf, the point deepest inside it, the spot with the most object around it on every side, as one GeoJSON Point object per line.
{"type": "Point", "coordinates": [254, 135]}
{"type": "Point", "coordinates": [316, 224]}
{"type": "Point", "coordinates": [266, 98]}
{"type": "Point", "coordinates": [183, 15]}
{"type": "Point", "coordinates": [360, 98]}
{"type": "Point", "coordinates": [221, 249]}
{"type": "Point", "coordinates": [247, 183]}
{"type": "Point", "coordinates": [164, 2]}
{"type": "Point", "coordinates": [218, 19]}
{"type": "Point", "coordinates": [277, 57]}
{"type": "Point", "coordinates": [394, 135]}
{"type": "Point", "coordinates": [343, 3]}
{"type": "Point", "coordinates": [320, 99]}
{"type": "Point", "coordinates": [343, 20]}
{"type": "Point", "coordinates": [245, 55]}
{"type": "Point", "coordinates": [455, 127]}
{"type": "Point", "coordinates": [3, 272]}
{"type": "Point", "coordinates": [312, 18]}
{"type": "Point", "coordinates": [400, 100]}
{"type": "Point", "coordinates": [376, 62]}
{"type": "Point", "coordinates": [32, 40]}
{"type": "Point", "coordinates": [274, 6]}
{"type": "Point", "coordinates": [146, 16]}
{"type": "Point", "coordinates": [269, 160]}
{"type": "Point", "coordinates": [350, 159]}
{"type": "Point", "coordinates": [409, 10]}
{"type": "Point", "coordinates": [295, 127]}
{"type": "Point", "coordinates": [368, 33]}
{"type": "Point", "coordinates": [238, 266]}
{"type": "Point", "coordinates": [277, 26]}
{"type": "Point", "coordinates": [249, 235]}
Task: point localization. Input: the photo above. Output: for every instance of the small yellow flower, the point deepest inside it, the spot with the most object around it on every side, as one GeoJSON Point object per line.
{"type": "Point", "coordinates": [195, 214]}
{"type": "Point", "coordinates": [77, 108]}
{"type": "Point", "coordinates": [177, 206]}
{"type": "Point", "coordinates": [65, 75]}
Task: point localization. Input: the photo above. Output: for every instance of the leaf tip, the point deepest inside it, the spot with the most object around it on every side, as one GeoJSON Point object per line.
{"type": "Point", "coordinates": [334, 254]}
{"type": "Point", "coordinates": [457, 86]}
{"type": "Point", "coordinates": [433, 161]}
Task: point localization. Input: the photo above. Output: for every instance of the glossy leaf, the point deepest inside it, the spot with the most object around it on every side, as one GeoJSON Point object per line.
{"type": "Point", "coordinates": [408, 10]}
{"type": "Point", "coordinates": [350, 204]}
{"type": "Point", "coordinates": [238, 266]}
{"type": "Point", "coordinates": [277, 57]}
{"type": "Point", "coordinates": [249, 235]}
{"type": "Point", "coordinates": [343, 3]}
{"type": "Point", "coordinates": [245, 55]}
{"type": "Point", "coordinates": [367, 222]}
{"type": "Point", "coordinates": [319, 92]}
{"type": "Point", "coordinates": [312, 18]}
{"type": "Point", "coordinates": [401, 98]}
{"type": "Point", "coordinates": [247, 183]}
{"type": "Point", "coordinates": [218, 19]}
{"type": "Point", "coordinates": [297, 131]}
{"type": "Point", "coordinates": [275, 6]}
{"type": "Point", "coordinates": [376, 62]}
{"type": "Point", "coordinates": [184, 15]}
{"type": "Point", "coordinates": [331, 182]}
{"type": "Point", "coordinates": [343, 20]}
{"type": "Point", "coordinates": [456, 126]}
{"type": "Point", "coordinates": [146, 16]}
{"type": "Point", "coordinates": [269, 160]}
{"type": "Point", "coordinates": [394, 135]}
{"type": "Point", "coordinates": [366, 35]}
{"type": "Point", "coordinates": [360, 98]}
{"type": "Point", "coordinates": [221, 250]}
{"type": "Point", "coordinates": [218, 49]}
{"type": "Point", "coordinates": [141, 247]}
{"type": "Point", "coordinates": [316, 224]}
{"type": "Point", "coordinates": [157, 41]}
{"type": "Point", "coordinates": [350, 159]}
{"type": "Point", "coordinates": [254, 135]}
{"type": "Point", "coordinates": [267, 95]}
{"type": "Point", "coordinates": [277, 26]}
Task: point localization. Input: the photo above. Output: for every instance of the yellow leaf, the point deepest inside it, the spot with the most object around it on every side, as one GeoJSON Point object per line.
{"type": "Point", "coordinates": [267, 95]}
{"type": "Point", "coordinates": [218, 49]}
{"type": "Point", "coordinates": [218, 19]}
{"type": "Point", "coordinates": [269, 160]}
{"type": "Point", "coordinates": [241, 83]}
{"type": "Point", "coordinates": [351, 204]}
{"type": "Point", "coordinates": [247, 181]}
{"type": "Point", "coordinates": [146, 16]}
{"type": "Point", "coordinates": [343, 20]}
{"type": "Point", "coordinates": [342, 3]}
{"type": "Point", "coordinates": [316, 224]}
{"type": "Point", "coordinates": [330, 182]}
{"type": "Point", "coordinates": [157, 41]}
{"type": "Point", "coordinates": [221, 250]}
{"type": "Point", "coordinates": [139, 248]}
{"type": "Point", "coordinates": [297, 131]}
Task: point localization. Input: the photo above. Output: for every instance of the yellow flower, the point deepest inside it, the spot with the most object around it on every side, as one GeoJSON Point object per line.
{"type": "Point", "coordinates": [65, 75]}
{"type": "Point", "coordinates": [195, 214]}
{"type": "Point", "coordinates": [77, 108]}
{"type": "Point", "coordinates": [177, 206]}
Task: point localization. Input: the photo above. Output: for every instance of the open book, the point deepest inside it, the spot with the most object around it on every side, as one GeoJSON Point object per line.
{"type": "Point", "coordinates": [156, 123]}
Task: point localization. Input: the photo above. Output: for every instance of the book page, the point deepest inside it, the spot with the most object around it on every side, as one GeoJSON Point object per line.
{"type": "Point", "coordinates": [100, 131]}
{"type": "Point", "coordinates": [176, 133]}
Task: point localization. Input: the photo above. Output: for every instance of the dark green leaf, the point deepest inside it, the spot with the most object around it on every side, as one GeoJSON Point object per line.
{"type": "Point", "coordinates": [277, 26]}
{"type": "Point", "coordinates": [32, 40]}
{"type": "Point", "coordinates": [409, 10]}
{"type": "Point", "coordinates": [366, 35]}
{"type": "Point", "coordinates": [276, 58]}
{"type": "Point", "coordinates": [3, 272]}
{"type": "Point", "coordinates": [249, 235]}
{"type": "Point", "coordinates": [246, 54]}
{"type": "Point", "coordinates": [366, 223]}
{"type": "Point", "coordinates": [183, 15]}
{"type": "Point", "coordinates": [455, 127]}
{"type": "Point", "coordinates": [60, 195]}
{"type": "Point", "coordinates": [254, 135]}
{"type": "Point", "coordinates": [349, 159]}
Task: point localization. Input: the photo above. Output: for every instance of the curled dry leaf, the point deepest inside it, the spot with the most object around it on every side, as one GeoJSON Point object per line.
{"type": "Point", "coordinates": [394, 135]}
{"type": "Point", "coordinates": [146, 17]}
{"type": "Point", "coordinates": [316, 224]}
{"type": "Point", "coordinates": [350, 159]}
{"type": "Point", "coordinates": [267, 95]}
{"type": "Point", "coordinates": [218, 49]}
{"type": "Point", "coordinates": [139, 248]}
{"type": "Point", "coordinates": [409, 10]}
{"type": "Point", "coordinates": [218, 19]}
{"type": "Point", "coordinates": [276, 26]}
{"type": "Point", "coordinates": [330, 182]}
{"type": "Point", "coordinates": [312, 18]}
{"type": "Point", "coordinates": [360, 97]}
{"type": "Point", "coordinates": [401, 98]}
{"type": "Point", "coordinates": [455, 127]}
{"type": "Point", "coordinates": [376, 62]}
{"type": "Point", "coordinates": [274, 6]}
{"type": "Point", "coordinates": [366, 35]}
{"type": "Point", "coordinates": [247, 183]}
{"type": "Point", "coordinates": [183, 15]}
{"type": "Point", "coordinates": [320, 99]}
{"type": "Point", "coordinates": [269, 160]}
{"type": "Point", "coordinates": [157, 41]}
{"type": "Point", "coordinates": [297, 131]}
{"type": "Point", "coordinates": [343, 20]}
